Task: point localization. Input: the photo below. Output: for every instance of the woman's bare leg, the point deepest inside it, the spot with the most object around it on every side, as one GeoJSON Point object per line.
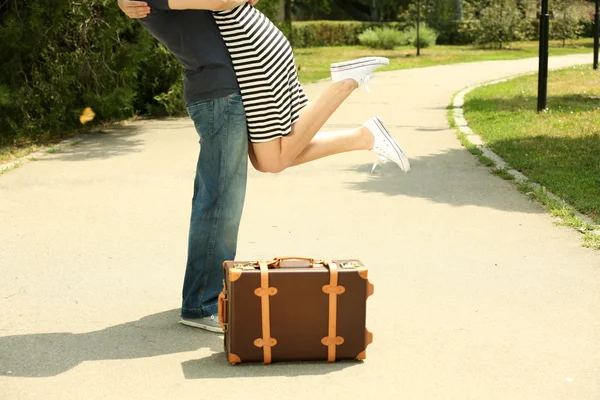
{"type": "Point", "coordinates": [326, 144]}
{"type": "Point", "coordinates": [297, 147]}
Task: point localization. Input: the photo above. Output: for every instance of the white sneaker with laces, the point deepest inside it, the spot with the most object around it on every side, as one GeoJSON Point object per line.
{"type": "Point", "coordinates": [207, 323]}
{"type": "Point", "coordinates": [360, 69]}
{"type": "Point", "coordinates": [385, 146]}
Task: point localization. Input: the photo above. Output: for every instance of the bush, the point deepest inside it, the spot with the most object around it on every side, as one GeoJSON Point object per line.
{"type": "Point", "coordinates": [382, 38]}
{"type": "Point", "coordinates": [498, 24]}
{"type": "Point", "coordinates": [427, 36]}
{"type": "Point", "coordinates": [59, 57]}
{"type": "Point", "coordinates": [332, 33]}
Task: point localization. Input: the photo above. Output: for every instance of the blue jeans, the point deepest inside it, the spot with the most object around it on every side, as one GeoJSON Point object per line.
{"type": "Point", "coordinates": [219, 192]}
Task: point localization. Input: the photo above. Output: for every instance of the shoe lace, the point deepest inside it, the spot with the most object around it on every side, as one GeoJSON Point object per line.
{"type": "Point", "coordinates": [365, 81]}
{"type": "Point", "coordinates": [380, 160]}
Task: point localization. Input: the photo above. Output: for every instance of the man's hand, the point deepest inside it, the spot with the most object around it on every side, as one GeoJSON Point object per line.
{"type": "Point", "coordinates": [134, 9]}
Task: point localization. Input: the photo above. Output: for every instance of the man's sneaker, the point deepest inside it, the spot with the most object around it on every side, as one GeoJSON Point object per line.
{"type": "Point", "coordinates": [207, 323]}
{"type": "Point", "coordinates": [359, 69]}
{"type": "Point", "coordinates": [385, 146]}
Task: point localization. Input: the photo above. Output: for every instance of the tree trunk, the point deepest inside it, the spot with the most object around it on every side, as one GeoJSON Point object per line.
{"type": "Point", "coordinates": [287, 19]}
{"type": "Point", "coordinates": [356, 10]}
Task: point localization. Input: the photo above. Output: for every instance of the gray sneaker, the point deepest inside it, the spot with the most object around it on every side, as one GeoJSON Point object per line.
{"type": "Point", "coordinates": [207, 323]}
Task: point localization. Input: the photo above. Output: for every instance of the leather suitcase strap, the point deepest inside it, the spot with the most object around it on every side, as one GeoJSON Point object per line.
{"type": "Point", "coordinates": [333, 290]}
{"type": "Point", "coordinates": [264, 292]}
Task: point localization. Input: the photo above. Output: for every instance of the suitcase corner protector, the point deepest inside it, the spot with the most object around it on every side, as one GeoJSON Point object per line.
{"type": "Point", "coordinates": [234, 274]}
{"type": "Point", "coordinates": [363, 273]}
{"type": "Point", "coordinates": [233, 359]}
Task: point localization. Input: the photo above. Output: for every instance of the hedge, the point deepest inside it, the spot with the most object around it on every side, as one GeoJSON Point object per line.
{"type": "Point", "coordinates": [333, 33]}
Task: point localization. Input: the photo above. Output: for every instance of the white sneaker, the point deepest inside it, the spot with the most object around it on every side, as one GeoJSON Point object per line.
{"type": "Point", "coordinates": [385, 146]}
{"type": "Point", "coordinates": [359, 69]}
{"type": "Point", "coordinates": [207, 323]}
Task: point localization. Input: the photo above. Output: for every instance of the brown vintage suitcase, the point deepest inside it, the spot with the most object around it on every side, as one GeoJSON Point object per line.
{"type": "Point", "coordinates": [294, 309]}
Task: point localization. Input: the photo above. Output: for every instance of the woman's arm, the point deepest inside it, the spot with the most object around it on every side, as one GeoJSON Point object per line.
{"type": "Point", "coordinates": [215, 5]}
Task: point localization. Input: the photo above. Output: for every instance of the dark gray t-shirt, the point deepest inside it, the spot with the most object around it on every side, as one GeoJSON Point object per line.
{"type": "Point", "coordinates": [194, 38]}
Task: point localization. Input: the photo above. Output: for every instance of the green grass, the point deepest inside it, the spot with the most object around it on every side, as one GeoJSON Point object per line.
{"type": "Point", "coordinates": [12, 153]}
{"type": "Point", "coordinates": [502, 173]}
{"type": "Point", "coordinates": [565, 213]}
{"type": "Point", "coordinates": [558, 148]}
{"type": "Point", "coordinates": [313, 63]}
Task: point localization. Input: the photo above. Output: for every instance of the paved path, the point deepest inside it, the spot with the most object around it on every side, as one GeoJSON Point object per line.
{"type": "Point", "coordinates": [478, 294]}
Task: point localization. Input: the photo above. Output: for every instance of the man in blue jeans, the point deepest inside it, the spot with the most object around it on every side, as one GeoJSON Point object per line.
{"type": "Point", "coordinates": [213, 102]}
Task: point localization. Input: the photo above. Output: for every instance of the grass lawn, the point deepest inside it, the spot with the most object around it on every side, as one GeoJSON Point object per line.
{"type": "Point", "coordinates": [314, 62]}
{"type": "Point", "coordinates": [559, 148]}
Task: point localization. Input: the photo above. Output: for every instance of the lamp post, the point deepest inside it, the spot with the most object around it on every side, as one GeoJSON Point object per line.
{"type": "Point", "coordinates": [596, 33]}
{"type": "Point", "coordinates": [543, 67]}
{"type": "Point", "coordinates": [418, 27]}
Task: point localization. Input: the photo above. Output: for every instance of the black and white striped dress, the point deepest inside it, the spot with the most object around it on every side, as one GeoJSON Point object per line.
{"type": "Point", "coordinates": [264, 65]}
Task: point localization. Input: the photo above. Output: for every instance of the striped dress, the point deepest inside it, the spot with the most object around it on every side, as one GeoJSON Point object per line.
{"type": "Point", "coordinates": [264, 65]}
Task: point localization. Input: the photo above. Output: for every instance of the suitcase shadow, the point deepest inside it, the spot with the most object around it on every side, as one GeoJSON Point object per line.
{"type": "Point", "coordinates": [50, 354]}
{"type": "Point", "coordinates": [217, 367]}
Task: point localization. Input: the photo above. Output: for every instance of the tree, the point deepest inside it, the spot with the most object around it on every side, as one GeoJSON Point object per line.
{"type": "Point", "coordinates": [566, 23]}
{"type": "Point", "coordinates": [441, 15]}
{"type": "Point", "coordinates": [363, 10]}
{"type": "Point", "coordinates": [496, 23]}
{"type": "Point", "coordinates": [269, 7]}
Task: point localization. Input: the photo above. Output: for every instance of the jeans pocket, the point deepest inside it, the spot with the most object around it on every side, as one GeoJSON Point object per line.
{"type": "Point", "coordinates": [198, 107]}
{"type": "Point", "coordinates": [201, 112]}
{"type": "Point", "coordinates": [235, 104]}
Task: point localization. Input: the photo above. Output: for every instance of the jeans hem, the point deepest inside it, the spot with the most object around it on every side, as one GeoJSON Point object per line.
{"type": "Point", "coordinates": [199, 312]}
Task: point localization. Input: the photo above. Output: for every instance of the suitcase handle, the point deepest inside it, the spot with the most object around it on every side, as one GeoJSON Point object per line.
{"type": "Point", "coordinates": [222, 311]}
{"type": "Point", "coordinates": [278, 260]}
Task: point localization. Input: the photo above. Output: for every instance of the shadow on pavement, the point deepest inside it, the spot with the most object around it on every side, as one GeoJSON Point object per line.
{"type": "Point", "coordinates": [110, 142]}
{"type": "Point", "coordinates": [447, 178]}
{"type": "Point", "coordinates": [118, 140]}
{"type": "Point", "coordinates": [50, 354]}
{"type": "Point", "coordinates": [217, 367]}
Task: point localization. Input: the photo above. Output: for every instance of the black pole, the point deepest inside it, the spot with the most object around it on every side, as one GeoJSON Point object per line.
{"type": "Point", "coordinates": [596, 33]}
{"type": "Point", "coordinates": [418, 27]}
{"type": "Point", "coordinates": [543, 68]}
{"type": "Point", "coordinates": [287, 19]}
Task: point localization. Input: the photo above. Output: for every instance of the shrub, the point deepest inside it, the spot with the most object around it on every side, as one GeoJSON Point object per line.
{"type": "Point", "coordinates": [369, 38]}
{"type": "Point", "coordinates": [427, 36]}
{"type": "Point", "coordinates": [498, 24]}
{"type": "Point", "coordinates": [59, 57]}
{"type": "Point", "coordinates": [332, 33]}
{"type": "Point", "coordinates": [382, 38]}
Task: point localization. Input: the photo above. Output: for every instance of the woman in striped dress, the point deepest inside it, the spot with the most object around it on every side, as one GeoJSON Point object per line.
{"type": "Point", "coordinates": [283, 126]}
